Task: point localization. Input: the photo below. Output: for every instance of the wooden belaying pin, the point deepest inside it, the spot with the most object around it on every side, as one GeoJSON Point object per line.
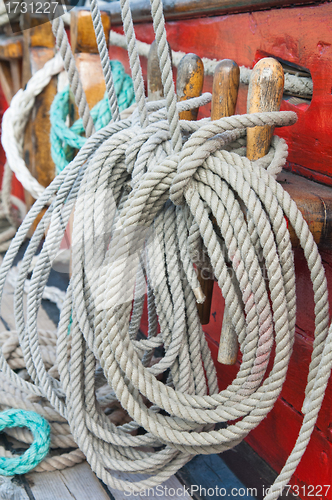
{"type": "Point", "coordinates": [189, 83]}
{"type": "Point", "coordinates": [224, 94]}
{"type": "Point", "coordinates": [155, 86]}
{"type": "Point", "coordinates": [265, 91]}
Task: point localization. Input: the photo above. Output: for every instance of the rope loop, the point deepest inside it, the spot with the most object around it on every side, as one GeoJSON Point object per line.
{"type": "Point", "coordinates": [38, 449]}
{"type": "Point", "coordinates": [212, 136]}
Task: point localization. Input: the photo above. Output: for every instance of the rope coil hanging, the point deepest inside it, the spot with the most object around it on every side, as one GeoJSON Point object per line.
{"type": "Point", "coordinates": [143, 191]}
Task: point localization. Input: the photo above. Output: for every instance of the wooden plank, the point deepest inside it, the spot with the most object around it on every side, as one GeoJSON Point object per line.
{"type": "Point", "coordinates": [183, 9]}
{"type": "Point", "coordinates": [208, 476]}
{"type": "Point", "coordinates": [82, 34]}
{"type": "Point", "coordinates": [74, 483]}
{"type": "Point", "coordinates": [11, 47]}
{"type": "Point", "coordinates": [39, 44]}
{"type": "Point", "coordinates": [170, 488]}
{"type": "Point", "coordinates": [87, 58]}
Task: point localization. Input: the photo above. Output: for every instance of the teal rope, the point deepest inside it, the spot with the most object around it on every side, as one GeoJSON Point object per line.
{"type": "Point", "coordinates": [38, 450]}
{"type": "Point", "coordinates": [65, 140]}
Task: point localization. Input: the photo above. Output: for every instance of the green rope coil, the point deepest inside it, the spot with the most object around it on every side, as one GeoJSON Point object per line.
{"type": "Point", "coordinates": [65, 140]}
{"type": "Point", "coordinates": [38, 450]}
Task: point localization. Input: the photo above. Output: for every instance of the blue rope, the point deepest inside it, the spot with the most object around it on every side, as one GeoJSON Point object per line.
{"type": "Point", "coordinates": [38, 450]}
{"type": "Point", "coordinates": [65, 140]}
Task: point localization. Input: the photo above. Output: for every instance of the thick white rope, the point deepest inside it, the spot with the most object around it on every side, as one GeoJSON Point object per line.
{"type": "Point", "coordinates": [101, 307]}
{"type": "Point", "coordinates": [142, 203]}
{"type": "Point", "coordinates": [15, 119]}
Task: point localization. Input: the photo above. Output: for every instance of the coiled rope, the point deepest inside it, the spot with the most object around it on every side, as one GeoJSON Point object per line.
{"type": "Point", "coordinates": [143, 192]}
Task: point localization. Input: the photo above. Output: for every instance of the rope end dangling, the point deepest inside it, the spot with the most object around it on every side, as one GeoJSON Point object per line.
{"type": "Point", "coordinates": [199, 295]}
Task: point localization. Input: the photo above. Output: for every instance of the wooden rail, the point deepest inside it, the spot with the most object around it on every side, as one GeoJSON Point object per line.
{"type": "Point", "coordinates": [184, 9]}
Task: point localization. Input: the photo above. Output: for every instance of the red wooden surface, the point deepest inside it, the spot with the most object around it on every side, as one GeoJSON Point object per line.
{"type": "Point", "coordinates": [300, 35]}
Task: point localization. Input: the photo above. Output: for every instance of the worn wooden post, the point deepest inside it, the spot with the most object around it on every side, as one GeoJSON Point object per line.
{"type": "Point", "coordinates": [84, 45]}
{"type": "Point", "coordinates": [189, 83]}
{"type": "Point", "coordinates": [226, 82]}
{"type": "Point", "coordinates": [155, 85]}
{"type": "Point", "coordinates": [39, 47]}
{"type": "Point", "coordinates": [264, 94]}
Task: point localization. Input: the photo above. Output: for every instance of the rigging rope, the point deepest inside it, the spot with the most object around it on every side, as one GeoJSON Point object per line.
{"type": "Point", "coordinates": [143, 191]}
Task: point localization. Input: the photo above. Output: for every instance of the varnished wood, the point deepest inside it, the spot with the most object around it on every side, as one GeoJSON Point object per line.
{"type": "Point", "coordinates": [189, 82]}
{"type": "Point", "coordinates": [10, 65]}
{"type": "Point", "coordinates": [42, 36]}
{"type": "Point", "coordinates": [315, 203]}
{"type": "Point", "coordinates": [184, 9]}
{"type": "Point", "coordinates": [226, 82]}
{"type": "Point", "coordinates": [82, 33]}
{"type": "Point", "coordinates": [84, 45]}
{"type": "Point", "coordinates": [11, 47]}
{"type": "Point", "coordinates": [6, 80]}
{"type": "Point", "coordinates": [37, 136]}
{"type": "Point", "coordinates": [264, 94]}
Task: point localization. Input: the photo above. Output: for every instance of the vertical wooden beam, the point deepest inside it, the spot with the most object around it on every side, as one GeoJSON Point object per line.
{"type": "Point", "coordinates": [39, 47]}
{"type": "Point", "coordinates": [189, 83]}
{"type": "Point", "coordinates": [264, 94]}
{"type": "Point", "coordinates": [84, 46]}
{"type": "Point", "coordinates": [226, 82]}
{"type": "Point", "coordinates": [10, 65]}
{"type": "Point", "coordinates": [155, 85]}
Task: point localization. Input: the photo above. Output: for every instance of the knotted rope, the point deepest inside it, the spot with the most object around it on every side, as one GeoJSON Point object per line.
{"type": "Point", "coordinates": [144, 191]}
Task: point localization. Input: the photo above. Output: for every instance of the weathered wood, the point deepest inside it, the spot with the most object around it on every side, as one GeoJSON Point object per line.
{"type": "Point", "coordinates": [40, 45]}
{"type": "Point", "coordinates": [74, 483]}
{"type": "Point", "coordinates": [189, 82]}
{"type": "Point", "coordinates": [155, 86]}
{"type": "Point", "coordinates": [6, 80]}
{"type": "Point", "coordinates": [84, 45]}
{"type": "Point", "coordinates": [172, 485]}
{"type": "Point", "coordinates": [10, 65]}
{"type": "Point", "coordinates": [11, 47]}
{"type": "Point", "coordinates": [315, 203]}
{"type": "Point", "coordinates": [226, 82]}
{"type": "Point", "coordinates": [264, 94]}
{"type": "Point", "coordinates": [184, 9]}
{"type": "Point", "coordinates": [300, 36]}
